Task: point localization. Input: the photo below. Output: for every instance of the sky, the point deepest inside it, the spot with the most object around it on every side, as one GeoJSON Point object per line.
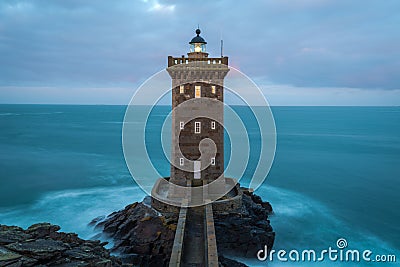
{"type": "Point", "coordinates": [299, 52]}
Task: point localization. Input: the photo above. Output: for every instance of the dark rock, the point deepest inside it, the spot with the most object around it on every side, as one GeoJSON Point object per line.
{"type": "Point", "coordinates": [11, 234]}
{"type": "Point", "coordinates": [97, 220]}
{"type": "Point", "coordinates": [40, 230]}
{"type": "Point", "coordinates": [141, 237]}
{"type": "Point", "coordinates": [42, 245]}
{"type": "Point", "coordinates": [140, 234]}
{"type": "Point", "coordinates": [225, 262]}
{"type": "Point", "coordinates": [243, 233]}
{"type": "Point", "coordinates": [144, 237]}
{"type": "Point", "coordinates": [38, 249]}
{"type": "Point", "coordinates": [8, 257]}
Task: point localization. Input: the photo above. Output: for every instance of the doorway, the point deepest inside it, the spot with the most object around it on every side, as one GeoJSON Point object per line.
{"type": "Point", "coordinates": [196, 170]}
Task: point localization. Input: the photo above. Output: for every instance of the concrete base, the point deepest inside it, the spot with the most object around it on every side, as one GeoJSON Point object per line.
{"type": "Point", "coordinates": [163, 202]}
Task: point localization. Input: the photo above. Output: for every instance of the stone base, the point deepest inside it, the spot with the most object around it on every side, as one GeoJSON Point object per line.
{"type": "Point", "coordinates": [163, 202]}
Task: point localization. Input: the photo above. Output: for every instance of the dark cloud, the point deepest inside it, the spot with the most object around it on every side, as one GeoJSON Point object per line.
{"type": "Point", "coordinates": [308, 43]}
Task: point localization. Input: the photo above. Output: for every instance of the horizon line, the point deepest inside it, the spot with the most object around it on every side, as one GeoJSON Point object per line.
{"type": "Point", "coordinates": [168, 105]}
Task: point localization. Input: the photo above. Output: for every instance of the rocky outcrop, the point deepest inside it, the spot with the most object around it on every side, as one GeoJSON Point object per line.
{"type": "Point", "coordinates": [141, 236]}
{"type": "Point", "coordinates": [243, 233]}
{"type": "Point", "coordinates": [225, 262]}
{"type": "Point", "coordinates": [42, 245]}
{"type": "Point", "coordinates": [144, 237]}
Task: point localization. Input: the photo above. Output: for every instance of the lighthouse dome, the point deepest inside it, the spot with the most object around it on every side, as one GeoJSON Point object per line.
{"type": "Point", "coordinates": [197, 39]}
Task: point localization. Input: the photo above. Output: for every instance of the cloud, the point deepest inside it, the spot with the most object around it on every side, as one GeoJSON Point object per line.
{"type": "Point", "coordinates": [157, 7]}
{"type": "Point", "coordinates": [307, 43]}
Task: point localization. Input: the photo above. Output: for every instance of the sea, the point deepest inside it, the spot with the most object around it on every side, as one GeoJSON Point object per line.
{"type": "Point", "coordinates": [336, 173]}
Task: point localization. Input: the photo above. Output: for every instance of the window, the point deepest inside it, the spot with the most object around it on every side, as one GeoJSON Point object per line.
{"type": "Point", "coordinates": [213, 161]}
{"type": "Point", "coordinates": [197, 127]}
{"type": "Point", "coordinates": [181, 125]}
{"type": "Point", "coordinates": [213, 89]}
{"type": "Point", "coordinates": [182, 89]}
{"type": "Point", "coordinates": [213, 125]}
{"type": "Point", "coordinates": [181, 161]}
{"type": "Point", "coordinates": [197, 91]}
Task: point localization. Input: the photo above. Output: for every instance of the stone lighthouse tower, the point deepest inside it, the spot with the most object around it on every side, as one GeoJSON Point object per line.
{"type": "Point", "coordinates": [197, 118]}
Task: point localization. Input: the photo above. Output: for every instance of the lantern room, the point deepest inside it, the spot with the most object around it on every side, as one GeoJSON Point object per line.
{"type": "Point", "coordinates": [198, 44]}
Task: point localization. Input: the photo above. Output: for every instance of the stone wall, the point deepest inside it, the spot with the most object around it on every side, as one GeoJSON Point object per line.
{"type": "Point", "coordinates": [229, 204]}
{"type": "Point", "coordinates": [185, 142]}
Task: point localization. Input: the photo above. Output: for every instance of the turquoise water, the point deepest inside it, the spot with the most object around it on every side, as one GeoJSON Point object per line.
{"type": "Point", "coordinates": [336, 171]}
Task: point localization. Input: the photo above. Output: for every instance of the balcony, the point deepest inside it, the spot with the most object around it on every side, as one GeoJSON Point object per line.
{"type": "Point", "coordinates": [172, 61]}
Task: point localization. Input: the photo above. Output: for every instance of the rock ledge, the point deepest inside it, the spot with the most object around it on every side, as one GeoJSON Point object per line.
{"type": "Point", "coordinates": [42, 245]}
{"type": "Point", "coordinates": [143, 236]}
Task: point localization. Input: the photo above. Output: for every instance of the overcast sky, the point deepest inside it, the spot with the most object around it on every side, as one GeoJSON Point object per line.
{"type": "Point", "coordinates": [300, 52]}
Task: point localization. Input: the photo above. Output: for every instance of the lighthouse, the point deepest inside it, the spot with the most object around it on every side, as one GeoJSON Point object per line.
{"type": "Point", "coordinates": [197, 156]}
{"type": "Point", "coordinates": [197, 190]}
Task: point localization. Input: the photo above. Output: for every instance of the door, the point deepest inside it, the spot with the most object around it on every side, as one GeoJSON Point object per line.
{"type": "Point", "coordinates": [196, 167]}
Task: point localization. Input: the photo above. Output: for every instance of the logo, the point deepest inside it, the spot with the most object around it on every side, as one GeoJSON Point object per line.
{"type": "Point", "coordinates": [330, 254]}
{"type": "Point", "coordinates": [137, 134]}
